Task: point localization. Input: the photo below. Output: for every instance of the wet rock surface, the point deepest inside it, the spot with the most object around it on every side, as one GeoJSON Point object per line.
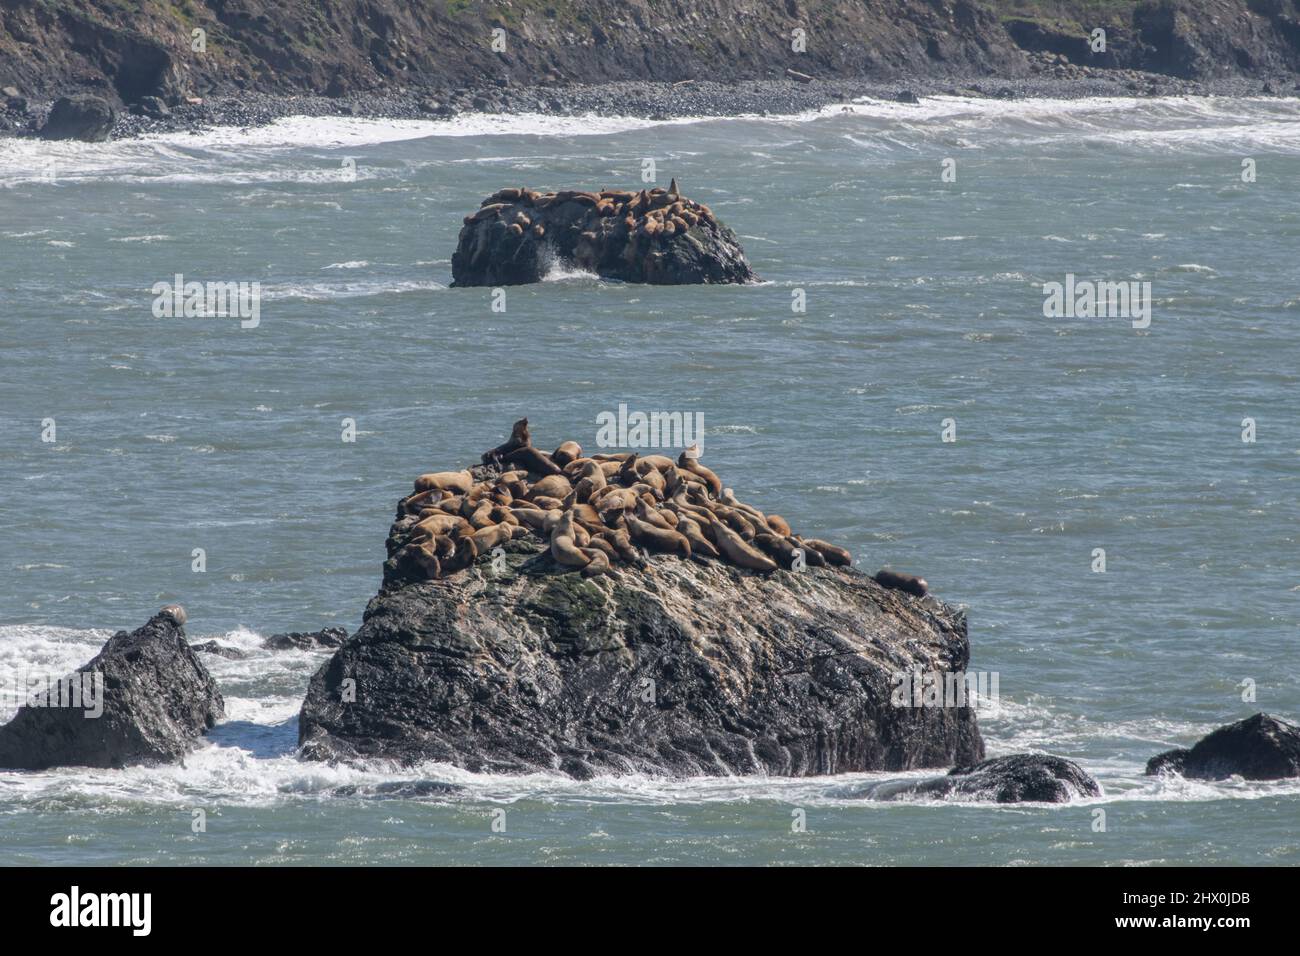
{"type": "Point", "coordinates": [677, 668]}
{"type": "Point", "coordinates": [1261, 747]}
{"type": "Point", "coordinates": [155, 700]}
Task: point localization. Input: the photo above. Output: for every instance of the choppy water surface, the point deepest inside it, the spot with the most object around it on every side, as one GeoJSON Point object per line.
{"type": "Point", "coordinates": [924, 303]}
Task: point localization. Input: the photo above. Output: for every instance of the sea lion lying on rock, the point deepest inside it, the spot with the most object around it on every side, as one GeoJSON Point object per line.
{"type": "Point", "coordinates": [902, 582]}
{"type": "Point", "coordinates": [592, 512]}
{"type": "Point", "coordinates": [656, 236]}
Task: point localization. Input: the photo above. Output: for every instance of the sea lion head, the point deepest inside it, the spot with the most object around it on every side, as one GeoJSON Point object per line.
{"type": "Point", "coordinates": [176, 613]}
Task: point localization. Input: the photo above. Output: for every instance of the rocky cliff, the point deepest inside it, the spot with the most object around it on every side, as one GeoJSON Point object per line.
{"type": "Point", "coordinates": [132, 50]}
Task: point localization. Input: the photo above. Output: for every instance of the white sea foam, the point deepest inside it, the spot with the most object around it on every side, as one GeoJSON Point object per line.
{"type": "Point", "coordinates": [232, 154]}
{"type": "Point", "coordinates": [250, 757]}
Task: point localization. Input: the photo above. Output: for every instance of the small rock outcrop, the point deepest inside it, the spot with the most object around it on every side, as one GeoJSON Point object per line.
{"type": "Point", "coordinates": [665, 662]}
{"type": "Point", "coordinates": [145, 698]}
{"type": "Point", "coordinates": [84, 117]}
{"type": "Point", "coordinates": [306, 641]}
{"type": "Point", "coordinates": [656, 236]}
{"type": "Point", "coordinates": [1015, 778]}
{"type": "Point", "coordinates": [1262, 747]}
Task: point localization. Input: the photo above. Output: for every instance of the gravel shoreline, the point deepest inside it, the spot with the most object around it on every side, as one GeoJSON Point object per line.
{"type": "Point", "coordinates": [651, 100]}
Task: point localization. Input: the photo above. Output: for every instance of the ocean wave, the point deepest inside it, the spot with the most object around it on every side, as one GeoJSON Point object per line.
{"type": "Point", "coordinates": [324, 291]}
{"type": "Point", "coordinates": [250, 757]}
{"type": "Point", "coordinates": [1217, 123]}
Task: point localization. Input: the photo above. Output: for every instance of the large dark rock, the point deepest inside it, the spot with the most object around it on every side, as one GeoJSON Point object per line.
{"type": "Point", "coordinates": [157, 700]}
{"type": "Point", "coordinates": [1262, 747]}
{"type": "Point", "coordinates": [1015, 778]}
{"type": "Point", "coordinates": [82, 117]}
{"type": "Point", "coordinates": [659, 237]}
{"type": "Point", "coordinates": [682, 667]}
{"type": "Point", "coordinates": [152, 107]}
{"type": "Point", "coordinates": [306, 640]}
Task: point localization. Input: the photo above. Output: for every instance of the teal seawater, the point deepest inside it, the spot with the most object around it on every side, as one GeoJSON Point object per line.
{"type": "Point", "coordinates": [924, 303]}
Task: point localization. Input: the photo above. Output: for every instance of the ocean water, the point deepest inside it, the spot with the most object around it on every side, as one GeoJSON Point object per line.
{"type": "Point", "coordinates": [924, 303]}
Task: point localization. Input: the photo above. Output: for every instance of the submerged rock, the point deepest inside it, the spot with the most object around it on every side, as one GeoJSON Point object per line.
{"type": "Point", "coordinates": [656, 236]}
{"type": "Point", "coordinates": [680, 667]}
{"type": "Point", "coordinates": [398, 789]}
{"type": "Point", "coordinates": [145, 698]}
{"type": "Point", "coordinates": [1262, 747]}
{"type": "Point", "coordinates": [1015, 778]}
{"type": "Point", "coordinates": [82, 117]}
{"type": "Point", "coordinates": [306, 641]}
{"type": "Point", "coordinates": [220, 650]}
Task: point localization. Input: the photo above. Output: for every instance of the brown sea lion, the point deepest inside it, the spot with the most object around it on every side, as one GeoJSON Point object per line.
{"type": "Point", "coordinates": [566, 453]}
{"type": "Point", "coordinates": [651, 515]}
{"type": "Point", "coordinates": [898, 581]}
{"type": "Point", "coordinates": [424, 557]}
{"type": "Point", "coordinates": [695, 535]}
{"type": "Point", "coordinates": [552, 486]}
{"type": "Point", "coordinates": [485, 539]}
{"type": "Point", "coordinates": [564, 548]}
{"type": "Point", "coordinates": [592, 481]}
{"type": "Point", "coordinates": [535, 461]}
{"type": "Point", "coordinates": [738, 551]}
{"type": "Point", "coordinates": [598, 542]}
{"type": "Point", "coordinates": [462, 557]}
{"type": "Point", "coordinates": [519, 437]}
{"type": "Point", "coordinates": [779, 525]}
{"type": "Point", "coordinates": [658, 539]}
{"type": "Point", "coordinates": [531, 517]}
{"type": "Point", "coordinates": [459, 481]}
{"type": "Point", "coordinates": [688, 460]}
{"type": "Point", "coordinates": [833, 553]}
{"type": "Point", "coordinates": [494, 209]}
{"type": "Point", "coordinates": [597, 563]}
{"type": "Point", "coordinates": [622, 542]}
{"type": "Point", "coordinates": [436, 524]}
{"type": "Point", "coordinates": [482, 515]}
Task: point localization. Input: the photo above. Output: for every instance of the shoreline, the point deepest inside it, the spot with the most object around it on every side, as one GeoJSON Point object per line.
{"type": "Point", "coordinates": [655, 100]}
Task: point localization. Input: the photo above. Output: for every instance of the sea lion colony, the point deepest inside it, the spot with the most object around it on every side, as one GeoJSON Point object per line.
{"type": "Point", "coordinates": [654, 214]}
{"type": "Point", "coordinates": [593, 511]}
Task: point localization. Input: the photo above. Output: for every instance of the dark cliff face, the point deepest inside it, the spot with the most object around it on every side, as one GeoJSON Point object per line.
{"type": "Point", "coordinates": [129, 50]}
{"type": "Point", "coordinates": [679, 668]}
